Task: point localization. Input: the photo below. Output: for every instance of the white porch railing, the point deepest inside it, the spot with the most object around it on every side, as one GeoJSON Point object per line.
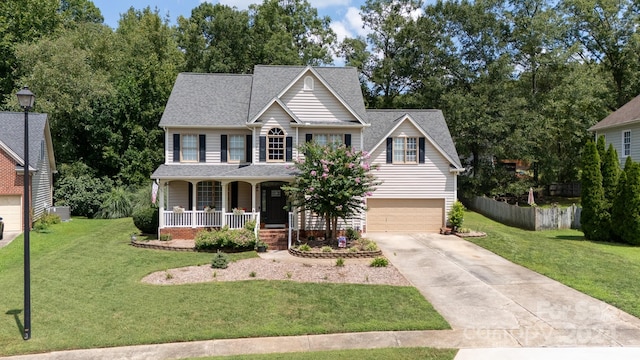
{"type": "Point", "coordinates": [202, 218]}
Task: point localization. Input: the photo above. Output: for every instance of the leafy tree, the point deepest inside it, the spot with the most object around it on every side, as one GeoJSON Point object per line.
{"type": "Point", "coordinates": [610, 174]}
{"type": "Point", "coordinates": [594, 217]}
{"type": "Point", "coordinates": [332, 181]}
{"type": "Point", "coordinates": [78, 188]}
{"type": "Point", "coordinates": [289, 33]}
{"type": "Point", "coordinates": [216, 38]}
{"type": "Point", "coordinates": [620, 210]}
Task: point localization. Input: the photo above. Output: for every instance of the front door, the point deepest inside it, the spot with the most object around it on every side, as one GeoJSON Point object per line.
{"type": "Point", "coordinates": [274, 202]}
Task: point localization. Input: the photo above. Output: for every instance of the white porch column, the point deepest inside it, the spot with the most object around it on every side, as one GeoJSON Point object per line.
{"type": "Point", "coordinates": [194, 204]}
{"type": "Point", "coordinates": [225, 187]}
{"type": "Point", "coordinates": [253, 197]}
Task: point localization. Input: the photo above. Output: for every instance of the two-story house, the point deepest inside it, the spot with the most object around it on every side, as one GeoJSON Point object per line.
{"type": "Point", "coordinates": [40, 169]}
{"type": "Point", "coordinates": [231, 139]}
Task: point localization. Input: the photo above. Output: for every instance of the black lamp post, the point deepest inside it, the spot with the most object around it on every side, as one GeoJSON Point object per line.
{"type": "Point", "coordinates": [26, 99]}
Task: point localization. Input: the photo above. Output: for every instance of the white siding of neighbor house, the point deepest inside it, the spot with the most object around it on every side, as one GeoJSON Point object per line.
{"type": "Point", "coordinates": [178, 195]}
{"type": "Point", "coordinates": [431, 180]}
{"type": "Point", "coordinates": [275, 116]}
{"type": "Point", "coordinates": [212, 141]}
{"type": "Point", "coordinates": [42, 183]}
{"type": "Point", "coordinates": [318, 104]}
{"type": "Point", "coordinates": [614, 136]}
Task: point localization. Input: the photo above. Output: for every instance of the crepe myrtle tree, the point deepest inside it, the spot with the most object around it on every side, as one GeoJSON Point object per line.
{"type": "Point", "coordinates": [332, 181]}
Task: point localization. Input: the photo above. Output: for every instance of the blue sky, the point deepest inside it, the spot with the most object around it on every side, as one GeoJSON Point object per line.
{"type": "Point", "coordinates": [345, 18]}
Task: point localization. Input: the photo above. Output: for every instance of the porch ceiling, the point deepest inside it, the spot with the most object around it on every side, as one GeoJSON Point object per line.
{"type": "Point", "coordinates": [231, 172]}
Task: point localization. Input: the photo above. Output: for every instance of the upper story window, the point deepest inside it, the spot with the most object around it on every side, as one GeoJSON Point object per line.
{"type": "Point", "coordinates": [326, 139]}
{"type": "Point", "coordinates": [308, 83]}
{"type": "Point", "coordinates": [237, 148]}
{"type": "Point", "coordinates": [626, 143]}
{"type": "Point", "coordinates": [405, 150]}
{"type": "Point", "coordinates": [275, 145]}
{"type": "Point", "coordinates": [189, 151]}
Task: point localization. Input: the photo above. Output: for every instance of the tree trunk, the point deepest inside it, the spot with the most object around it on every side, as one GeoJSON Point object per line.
{"type": "Point", "coordinates": [327, 227]}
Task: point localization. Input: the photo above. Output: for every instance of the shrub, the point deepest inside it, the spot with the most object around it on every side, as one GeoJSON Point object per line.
{"type": "Point", "coordinates": [371, 246]}
{"type": "Point", "coordinates": [594, 217]}
{"type": "Point", "coordinates": [116, 204]}
{"type": "Point", "coordinates": [146, 220]}
{"type": "Point", "coordinates": [220, 261]}
{"type": "Point", "coordinates": [352, 234]}
{"type": "Point", "coordinates": [340, 262]}
{"type": "Point", "coordinates": [456, 215]}
{"type": "Point", "coordinates": [327, 249]}
{"type": "Point", "coordinates": [225, 238]}
{"type": "Point", "coordinates": [250, 225]}
{"type": "Point", "coordinates": [304, 247]}
{"type": "Point", "coordinates": [78, 188]}
{"type": "Point", "coordinates": [165, 237]}
{"type": "Point", "coordinates": [379, 262]}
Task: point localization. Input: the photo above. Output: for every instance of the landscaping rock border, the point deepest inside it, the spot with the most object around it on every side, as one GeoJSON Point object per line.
{"type": "Point", "coordinates": [146, 245]}
{"type": "Point", "coordinates": [335, 255]}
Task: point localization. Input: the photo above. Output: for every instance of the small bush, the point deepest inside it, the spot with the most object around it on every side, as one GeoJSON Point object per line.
{"type": "Point", "coordinates": [340, 262]}
{"type": "Point", "coordinates": [116, 204]}
{"type": "Point", "coordinates": [327, 249]}
{"type": "Point", "coordinates": [250, 225]}
{"type": "Point", "coordinates": [371, 246]}
{"type": "Point", "coordinates": [252, 274]}
{"type": "Point", "coordinates": [456, 215]}
{"type": "Point", "coordinates": [46, 220]}
{"type": "Point", "coordinates": [146, 220]}
{"type": "Point", "coordinates": [354, 249]}
{"type": "Point", "coordinates": [226, 239]}
{"type": "Point", "coordinates": [166, 237]}
{"type": "Point", "coordinates": [304, 247]}
{"type": "Point", "coordinates": [220, 261]}
{"type": "Point", "coordinates": [352, 234]}
{"type": "Point", "coordinates": [379, 262]}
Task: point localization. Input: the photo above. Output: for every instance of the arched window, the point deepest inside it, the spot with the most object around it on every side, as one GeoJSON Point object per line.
{"type": "Point", "coordinates": [308, 83]}
{"type": "Point", "coordinates": [275, 145]}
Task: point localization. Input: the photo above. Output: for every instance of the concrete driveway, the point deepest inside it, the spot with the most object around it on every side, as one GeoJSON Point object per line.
{"type": "Point", "coordinates": [494, 302]}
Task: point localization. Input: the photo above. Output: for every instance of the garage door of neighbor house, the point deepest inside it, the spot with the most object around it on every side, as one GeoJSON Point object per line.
{"type": "Point", "coordinates": [405, 215]}
{"type": "Point", "coordinates": [11, 212]}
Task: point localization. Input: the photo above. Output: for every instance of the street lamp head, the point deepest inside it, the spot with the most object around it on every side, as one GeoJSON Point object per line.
{"type": "Point", "coordinates": [26, 98]}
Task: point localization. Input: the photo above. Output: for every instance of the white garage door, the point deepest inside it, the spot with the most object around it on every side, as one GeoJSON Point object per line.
{"type": "Point", "coordinates": [11, 212]}
{"type": "Point", "coordinates": [405, 215]}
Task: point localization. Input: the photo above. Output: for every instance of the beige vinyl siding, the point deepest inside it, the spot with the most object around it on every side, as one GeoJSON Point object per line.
{"type": "Point", "coordinates": [244, 195]}
{"type": "Point", "coordinates": [275, 116]}
{"type": "Point", "coordinates": [318, 104]}
{"type": "Point", "coordinates": [431, 180]}
{"type": "Point", "coordinates": [178, 195]}
{"type": "Point", "coordinates": [614, 136]}
{"type": "Point", "coordinates": [212, 141]}
{"type": "Point", "coordinates": [42, 183]}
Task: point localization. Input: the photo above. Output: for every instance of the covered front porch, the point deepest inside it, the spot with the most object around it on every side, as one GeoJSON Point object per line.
{"type": "Point", "coordinates": [216, 204]}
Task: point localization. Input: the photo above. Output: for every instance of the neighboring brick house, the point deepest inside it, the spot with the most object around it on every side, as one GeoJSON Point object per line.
{"type": "Point", "coordinates": [230, 141]}
{"type": "Point", "coordinates": [41, 167]}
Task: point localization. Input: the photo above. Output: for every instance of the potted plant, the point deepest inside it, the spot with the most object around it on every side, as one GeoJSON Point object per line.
{"type": "Point", "coordinates": [261, 246]}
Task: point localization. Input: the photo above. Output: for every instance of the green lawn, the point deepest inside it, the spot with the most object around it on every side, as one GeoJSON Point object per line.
{"type": "Point", "coordinates": [369, 354]}
{"type": "Point", "coordinates": [86, 292]}
{"type": "Point", "coordinates": [607, 271]}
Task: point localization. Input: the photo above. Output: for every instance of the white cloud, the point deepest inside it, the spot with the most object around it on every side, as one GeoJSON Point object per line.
{"type": "Point", "coordinates": [320, 4]}
{"type": "Point", "coordinates": [350, 25]}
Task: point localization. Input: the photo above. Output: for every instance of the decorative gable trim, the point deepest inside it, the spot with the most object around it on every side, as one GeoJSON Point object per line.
{"type": "Point", "coordinates": [407, 117]}
{"type": "Point", "coordinates": [323, 82]}
{"type": "Point", "coordinates": [282, 105]}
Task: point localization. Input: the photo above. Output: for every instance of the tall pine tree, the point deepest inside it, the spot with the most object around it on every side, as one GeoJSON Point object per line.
{"type": "Point", "coordinates": [594, 218]}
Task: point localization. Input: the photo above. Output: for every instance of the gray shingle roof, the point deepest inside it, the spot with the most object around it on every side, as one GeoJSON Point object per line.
{"type": "Point", "coordinates": [222, 171]}
{"type": "Point", "coordinates": [430, 121]}
{"type": "Point", "coordinates": [199, 100]}
{"type": "Point", "coordinates": [628, 113]}
{"type": "Point", "coordinates": [208, 100]}
{"type": "Point", "coordinates": [12, 134]}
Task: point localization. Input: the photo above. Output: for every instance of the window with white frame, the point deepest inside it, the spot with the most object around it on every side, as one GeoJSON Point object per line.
{"type": "Point", "coordinates": [626, 143]}
{"type": "Point", "coordinates": [325, 139]}
{"type": "Point", "coordinates": [189, 151]}
{"type": "Point", "coordinates": [275, 145]}
{"type": "Point", "coordinates": [236, 148]}
{"type": "Point", "coordinates": [405, 150]}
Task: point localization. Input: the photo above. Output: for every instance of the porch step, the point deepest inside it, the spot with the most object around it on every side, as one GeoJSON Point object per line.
{"type": "Point", "coordinates": [277, 239]}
